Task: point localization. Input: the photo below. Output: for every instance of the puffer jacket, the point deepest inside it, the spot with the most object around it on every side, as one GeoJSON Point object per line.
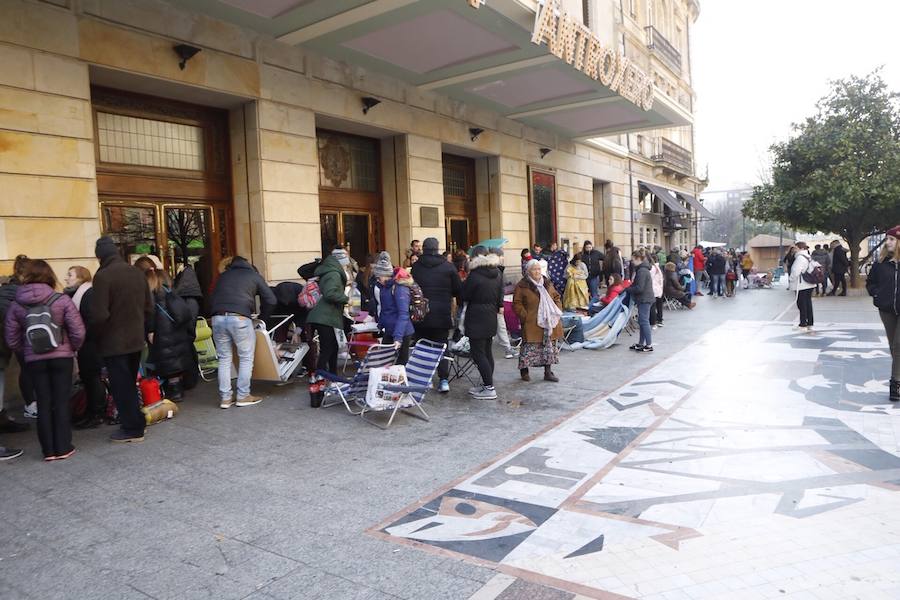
{"type": "Point", "coordinates": [329, 310]}
{"type": "Point", "coordinates": [716, 265]}
{"type": "Point", "coordinates": [672, 287]}
{"type": "Point", "coordinates": [187, 286]}
{"type": "Point", "coordinates": [440, 283]}
{"type": "Point", "coordinates": [483, 294]}
{"type": "Point", "coordinates": [656, 278]}
{"type": "Point", "coordinates": [393, 315]}
{"type": "Point", "coordinates": [593, 260]}
{"type": "Point", "coordinates": [800, 266]}
{"type": "Point", "coordinates": [237, 288]}
{"type": "Point", "coordinates": [172, 347]}
{"type": "Point", "coordinates": [62, 311]}
{"type": "Point", "coordinates": [883, 284]}
{"type": "Point", "coordinates": [642, 286]}
{"type": "Point", "coordinates": [823, 257]}
{"type": "Point", "coordinates": [699, 260]}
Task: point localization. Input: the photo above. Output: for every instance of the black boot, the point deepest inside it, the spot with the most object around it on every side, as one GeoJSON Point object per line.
{"type": "Point", "coordinates": [549, 376]}
{"type": "Point", "coordinates": [523, 373]}
{"type": "Point", "coordinates": [895, 390]}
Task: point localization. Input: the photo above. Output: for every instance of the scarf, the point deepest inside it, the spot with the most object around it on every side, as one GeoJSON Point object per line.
{"type": "Point", "coordinates": [548, 313]}
{"type": "Point", "coordinates": [79, 293]}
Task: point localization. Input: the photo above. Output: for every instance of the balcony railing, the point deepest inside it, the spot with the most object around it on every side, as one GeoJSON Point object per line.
{"type": "Point", "coordinates": [673, 157]}
{"type": "Point", "coordinates": [659, 44]}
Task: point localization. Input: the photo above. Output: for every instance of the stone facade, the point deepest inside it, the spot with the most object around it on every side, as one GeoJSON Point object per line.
{"type": "Point", "coordinates": [49, 54]}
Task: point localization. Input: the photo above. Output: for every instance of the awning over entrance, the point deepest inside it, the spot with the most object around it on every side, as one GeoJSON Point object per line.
{"type": "Point", "coordinates": [483, 56]}
{"type": "Point", "coordinates": [702, 211]}
{"type": "Point", "coordinates": [666, 197]}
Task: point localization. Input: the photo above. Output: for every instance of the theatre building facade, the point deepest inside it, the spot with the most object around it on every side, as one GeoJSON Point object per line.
{"type": "Point", "coordinates": [276, 129]}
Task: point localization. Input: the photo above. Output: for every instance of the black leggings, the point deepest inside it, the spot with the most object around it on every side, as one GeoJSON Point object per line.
{"type": "Point", "coordinates": [26, 385]}
{"type": "Point", "coordinates": [483, 355]}
{"type": "Point", "coordinates": [804, 303]}
{"type": "Point", "coordinates": [328, 349]}
{"type": "Point", "coordinates": [122, 370]}
{"type": "Point", "coordinates": [403, 354]}
{"type": "Point", "coordinates": [53, 385]}
{"type": "Point", "coordinates": [656, 312]}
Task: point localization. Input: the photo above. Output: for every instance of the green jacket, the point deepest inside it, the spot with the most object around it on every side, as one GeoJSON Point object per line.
{"type": "Point", "coordinates": [330, 308]}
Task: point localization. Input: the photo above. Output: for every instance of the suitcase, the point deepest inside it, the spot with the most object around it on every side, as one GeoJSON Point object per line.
{"type": "Point", "coordinates": [161, 411]}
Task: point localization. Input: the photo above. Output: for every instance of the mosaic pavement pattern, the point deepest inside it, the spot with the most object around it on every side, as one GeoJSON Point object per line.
{"type": "Point", "coordinates": [760, 462]}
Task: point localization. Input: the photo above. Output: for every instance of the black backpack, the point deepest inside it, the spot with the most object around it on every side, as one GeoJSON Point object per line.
{"type": "Point", "coordinates": [41, 332]}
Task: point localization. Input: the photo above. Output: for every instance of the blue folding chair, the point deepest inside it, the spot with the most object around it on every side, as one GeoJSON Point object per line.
{"type": "Point", "coordinates": [423, 362]}
{"type": "Point", "coordinates": [347, 390]}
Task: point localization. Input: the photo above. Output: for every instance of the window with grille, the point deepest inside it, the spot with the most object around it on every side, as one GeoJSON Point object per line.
{"type": "Point", "coordinates": [148, 142]}
{"type": "Point", "coordinates": [348, 162]}
{"type": "Point", "coordinates": [454, 182]}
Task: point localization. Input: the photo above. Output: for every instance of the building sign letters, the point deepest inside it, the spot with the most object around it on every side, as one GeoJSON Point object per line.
{"type": "Point", "coordinates": [572, 42]}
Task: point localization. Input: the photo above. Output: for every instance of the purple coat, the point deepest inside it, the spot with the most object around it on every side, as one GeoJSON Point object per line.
{"type": "Point", "coordinates": [63, 312]}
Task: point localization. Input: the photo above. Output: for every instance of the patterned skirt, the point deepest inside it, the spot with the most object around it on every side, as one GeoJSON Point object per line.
{"type": "Point", "coordinates": [533, 354]}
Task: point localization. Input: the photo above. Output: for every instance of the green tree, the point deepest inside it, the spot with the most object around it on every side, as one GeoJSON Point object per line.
{"type": "Point", "coordinates": [840, 172]}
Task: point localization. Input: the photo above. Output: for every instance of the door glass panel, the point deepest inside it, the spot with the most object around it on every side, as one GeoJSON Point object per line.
{"type": "Point", "coordinates": [544, 206]}
{"type": "Point", "coordinates": [133, 228]}
{"type": "Point", "coordinates": [356, 235]}
{"type": "Point", "coordinates": [188, 235]}
{"type": "Point", "coordinates": [459, 234]}
{"type": "Point", "coordinates": [329, 225]}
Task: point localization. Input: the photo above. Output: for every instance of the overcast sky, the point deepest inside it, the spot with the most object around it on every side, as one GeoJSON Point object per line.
{"type": "Point", "coordinates": [761, 65]}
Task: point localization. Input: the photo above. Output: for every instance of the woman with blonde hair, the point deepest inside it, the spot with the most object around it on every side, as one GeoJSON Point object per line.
{"type": "Point", "coordinates": [883, 284]}
{"type": "Point", "coordinates": [80, 288]}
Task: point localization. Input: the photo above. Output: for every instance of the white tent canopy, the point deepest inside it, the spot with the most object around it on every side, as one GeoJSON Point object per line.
{"type": "Point", "coordinates": [712, 244]}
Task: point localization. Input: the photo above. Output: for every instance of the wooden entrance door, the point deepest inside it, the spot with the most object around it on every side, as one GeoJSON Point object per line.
{"type": "Point", "coordinates": [164, 179]}
{"type": "Point", "coordinates": [350, 201]}
{"type": "Point", "coordinates": [459, 202]}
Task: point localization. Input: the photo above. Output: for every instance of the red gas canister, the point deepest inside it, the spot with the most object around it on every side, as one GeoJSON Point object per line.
{"type": "Point", "coordinates": [150, 390]}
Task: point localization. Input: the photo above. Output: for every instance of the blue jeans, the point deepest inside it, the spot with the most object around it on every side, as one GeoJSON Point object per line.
{"type": "Point", "coordinates": [237, 330]}
{"type": "Point", "coordinates": [594, 288]}
{"type": "Point", "coordinates": [644, 322]}
{"type": "Point", "coordinates": [718, 285]}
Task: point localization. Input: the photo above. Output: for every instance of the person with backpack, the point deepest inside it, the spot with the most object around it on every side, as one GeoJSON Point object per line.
{"type": "Point", "coordinates": [80, 288]}
{"type": "Point", "coordinates": [483, 294]}
{"type": "Point", "coordinates": [802, 264]}
{"type": "Point", "coordinates": [8, 426]}
{"type": "Point", "coordinates": [883, 284]}
{"type": "Point", "coordinates": [658, 280]}
{"type": "Point", "coordinates": [121, 319]}
{"type": "Point", "coordinates": [233, 305]}
{"type": "Point", "coordinates": [328, 312]}
{"type": "Point", "coordinates": [45, 327]}
{"type": "Point", "coordinates": [392, 306]}
{"type": "Point", "coordinates": [823, 257]}
{"type": "Point", "coordinates": [440, 284]}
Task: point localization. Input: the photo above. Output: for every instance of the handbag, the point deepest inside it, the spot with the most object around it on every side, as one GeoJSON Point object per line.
{"type": "Point", "coordinates": [730, 276]}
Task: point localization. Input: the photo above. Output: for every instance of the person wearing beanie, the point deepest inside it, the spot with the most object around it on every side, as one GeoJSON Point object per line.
{"type": "Point", "coordinates": [393, 308]}
{"type": "Point", "coordinates": [883, 284]}
{"type": "Point", "coordinates": [440, 284]}
{"type": "Point", "coordinates": [121, 316]}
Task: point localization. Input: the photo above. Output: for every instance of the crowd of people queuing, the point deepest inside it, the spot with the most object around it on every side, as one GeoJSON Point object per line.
{"type": "Point", "coordinates": [128, 320]}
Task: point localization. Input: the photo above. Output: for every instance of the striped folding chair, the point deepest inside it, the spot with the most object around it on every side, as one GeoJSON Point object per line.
{"type": "Point", "coordinates": [423, 362]}
{"type": "Point", "coordinates": [343, 390]}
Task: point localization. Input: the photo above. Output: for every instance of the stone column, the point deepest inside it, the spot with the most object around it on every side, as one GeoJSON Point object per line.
{"type": "Point", "coordinates": [512, 190]}
{"type": "Point", "coordinates": [48, 208]}
{"type": "Point", "coordinates": [418, 183]}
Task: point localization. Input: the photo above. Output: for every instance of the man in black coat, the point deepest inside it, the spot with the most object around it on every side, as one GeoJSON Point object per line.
{"type": "Point", "coordinates": [121, 307]}
{"type": "Point", "coordinates": [593, 260]}
{"type": "Point", "coordinates": [440, 284]}
{"type": "Point", "coordinates": [839, 267]}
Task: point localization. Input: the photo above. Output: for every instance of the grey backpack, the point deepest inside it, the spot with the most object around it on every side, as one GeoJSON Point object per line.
{"type": "Point", "coordinates": [41, 333]}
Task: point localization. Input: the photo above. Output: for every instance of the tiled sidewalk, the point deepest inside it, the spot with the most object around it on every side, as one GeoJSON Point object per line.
{"type": "Point", "coordinates": [761, 462]}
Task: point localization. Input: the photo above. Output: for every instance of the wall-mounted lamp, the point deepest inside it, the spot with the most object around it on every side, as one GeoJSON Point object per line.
{"type": "Point", "coordinates": [185, 53]}
{"type": "Point", "coordinates": [369, 102]}
{"type": "Point", "coordinates": [545, 151]}
{"type": "Point", "coordinates": [474, 132]}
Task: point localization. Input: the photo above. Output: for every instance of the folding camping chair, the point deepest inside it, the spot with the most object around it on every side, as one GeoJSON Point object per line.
{"type": "Point", "coordinates": [461, 363]}
{"type": "Point", "coordinates": [423, 362]}
{"type": "Point", "coordinates": [622, 317]}
{"type": "Point", "coordinates": [346, 390]}
{"type": "Point", "coordinates": [275, 362]}
{"type": "Point", "coordinates": [207, 359]}
{"type": "Point", "coordinates": [673, 304]}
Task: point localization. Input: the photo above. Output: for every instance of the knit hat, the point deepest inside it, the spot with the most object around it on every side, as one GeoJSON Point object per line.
{"type": "Point", "coordinates": [105, 247]}
{"type": "Point", "coordinates": [383, 266]}
{"type": "Point", "coordinates": [894, 231]}
{"type": "Point", "coordinates": [430, 246]}
{"type": "Point", "coordinates": [341, 256]}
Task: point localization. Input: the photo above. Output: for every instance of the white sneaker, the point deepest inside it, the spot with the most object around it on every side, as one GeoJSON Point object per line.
{"type": "Point", "coordinates": [444, 386]}
{"type": "Point", "coordinates": [475, 390]}
{"type": "Point", "coordinates": [510, 353]}
{"type": "Point", "coordinates": [810, 329]}
{"type": "Point", "coordinates": [486, 393]}
{"type": "Point", "coordinates": [655, 327]}
{"type": "Point", "coordinates": [30, 411]}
